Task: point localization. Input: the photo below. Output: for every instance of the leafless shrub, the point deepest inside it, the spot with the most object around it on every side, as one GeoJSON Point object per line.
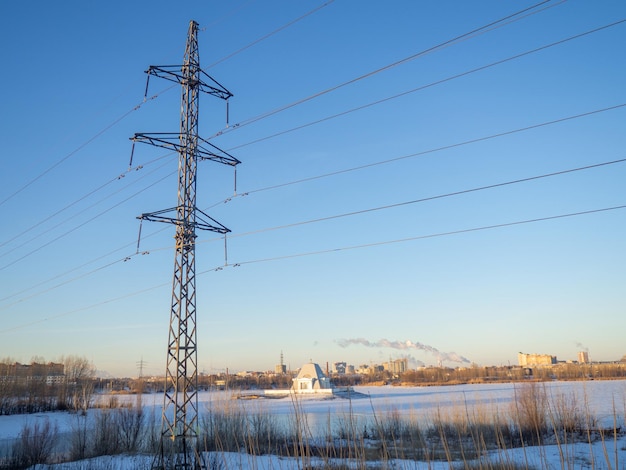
{"type": "Point", "coordinates": [529, 412]}
{"type": "Point", "coordinates": [566, 414]}
{"type": "Point", "coordinates": [224, 429]}
{"type": "Point", "coordinates": [263, 433]}
{"type": "Point", "coordinates": [109, 401]}
{"type": "Point", "coordinates": [130, 422]}
{"type": "Point", "coordinates": [151, 442]}
{"type": "Point", "coordinates": [78, 441]}
{"type": "Point", "coordinates": [35, 444]}
{"type": "Point", "coordinates": [390, 426]}
{"type": "Point", "coordinates": [105, 434]}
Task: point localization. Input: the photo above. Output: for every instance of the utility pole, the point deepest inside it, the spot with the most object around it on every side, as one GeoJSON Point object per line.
{"type": "Point", "coordinates": [140, 365]}
{"type": "Point", "coordinates": [179, 424]}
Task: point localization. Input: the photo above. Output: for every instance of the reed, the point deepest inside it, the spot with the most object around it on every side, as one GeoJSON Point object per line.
{"type": "Point", "coordinates": [467, 438]}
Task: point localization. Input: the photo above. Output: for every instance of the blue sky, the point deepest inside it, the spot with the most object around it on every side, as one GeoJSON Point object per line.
{"type": "Point", "coordinates": [493, 107]}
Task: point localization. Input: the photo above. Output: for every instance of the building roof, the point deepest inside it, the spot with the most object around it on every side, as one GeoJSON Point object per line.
{"type": "Point", "coordinates": [311, 371]}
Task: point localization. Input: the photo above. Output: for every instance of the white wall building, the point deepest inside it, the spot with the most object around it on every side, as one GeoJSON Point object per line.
{"type": "Point", "coordinates": [311, 379]}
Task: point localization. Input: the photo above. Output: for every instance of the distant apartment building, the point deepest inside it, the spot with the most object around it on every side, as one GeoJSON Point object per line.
{"type": "Point", "coordinates": [397, 366]}
{"type": "Point", "coordinates": [369, 369]}
{"type": "Point", "coordinates": [583, 357]}
{"type": "Point", "coordinates": [51, 373]}
{"type": "Point", "coordinates": [527, 360]}
{"type": "Point", "coordinates": [280, 369]}
{"type": "Point", "coordinates": [339, 368]}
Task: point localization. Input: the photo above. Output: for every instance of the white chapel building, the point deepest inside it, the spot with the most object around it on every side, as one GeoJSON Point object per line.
{"type": "Point", "coordinates": [311, 379]}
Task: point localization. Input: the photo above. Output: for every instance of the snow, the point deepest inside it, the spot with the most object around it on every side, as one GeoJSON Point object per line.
{"type": "Point", "coordinates": [579, 456]}
{"type": "Point", "coordinates": [604, 400]}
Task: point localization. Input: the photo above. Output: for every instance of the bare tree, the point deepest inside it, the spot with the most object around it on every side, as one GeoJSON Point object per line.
{"type": "Point", "coordinates": [79, 380]}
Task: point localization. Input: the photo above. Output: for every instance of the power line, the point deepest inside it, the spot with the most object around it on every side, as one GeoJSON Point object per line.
{"type": "Point", "coordinates": [382, 162]}
{"type": "Point", "coordinates": [22, 257]}
{"type": "Point", "coordinates": [423, 237]}
{"type": "Point", "coordinates": [389, 206]}
{"type": "Point", "coordinates": [268, 35]}
{"type": "Point", "coordinates": [82, 309]}
{"type": "Point", "coordinates": [80, 147]}
{"type": "Point", "coordinates": [60, 284]}
{"type": "Point", "coordinates": [153, 97]}
{"type": "Point", "coordinates": [475, 32]}
{"type": "Point", "coordinates": [325, 175]}
{"type": "Point", "coordinates": [81, 276]}
{"type": "Point", "coordinates": [327, 251]}
{"type": "Point", "coordinates": [75, 202]}
{"type": "Point", "coordinates": [423, 152]}
{"type": "Point", "coordinates": [136, 108]}
{"type": "Point", "coordinates": [50, 229]}
{"type": "Point", "coordinates": [228, 14]}
{"type": "Point", "coordinates": [432, 198]}
{"type": "Point", "coordinates": [58, 276]}
{"type": "Point", "coordinates": [429, 85]}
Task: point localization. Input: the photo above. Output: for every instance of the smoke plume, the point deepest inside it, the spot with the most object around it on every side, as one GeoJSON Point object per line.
{"type": "Point", "coordinates": [404, 345]}
{"type": "Point", "coordinates": [582, 347]}
{"type": "Point", "coordinates": [413, 362]}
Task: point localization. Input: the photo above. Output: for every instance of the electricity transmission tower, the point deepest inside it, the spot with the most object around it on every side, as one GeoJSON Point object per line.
{"type": "Point", "coordinates": [180, 407]}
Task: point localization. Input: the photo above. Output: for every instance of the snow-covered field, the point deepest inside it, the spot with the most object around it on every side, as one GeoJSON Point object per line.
{"type": "Point", "coordinates": [604, 400]}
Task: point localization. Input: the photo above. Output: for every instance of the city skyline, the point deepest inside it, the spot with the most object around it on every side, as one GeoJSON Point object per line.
{"type": "Point", "coordinates": [54, 370]}
{"type": "Point", "coordinates": [440, 181]}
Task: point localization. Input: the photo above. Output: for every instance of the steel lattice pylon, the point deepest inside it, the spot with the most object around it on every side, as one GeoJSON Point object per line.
{"type": "Point", "coordinates": [180, 406]}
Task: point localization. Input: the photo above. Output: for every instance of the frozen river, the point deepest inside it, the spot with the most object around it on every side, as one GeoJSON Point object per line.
{"type": "Point", "coordinates": [601, 399]}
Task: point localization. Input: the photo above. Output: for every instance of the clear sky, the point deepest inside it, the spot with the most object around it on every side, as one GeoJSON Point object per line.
{"type": "Point", "coordinates": [339, 108]}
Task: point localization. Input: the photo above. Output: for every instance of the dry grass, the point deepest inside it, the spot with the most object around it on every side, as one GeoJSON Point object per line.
{"type": "Point", "coordinates": [461, 437]}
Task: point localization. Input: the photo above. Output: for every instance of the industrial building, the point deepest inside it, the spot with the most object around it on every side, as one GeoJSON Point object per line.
{"type": "Point", "coordinates": [527, 360]}
{"type": "Point", "coordinates": [397, 366]}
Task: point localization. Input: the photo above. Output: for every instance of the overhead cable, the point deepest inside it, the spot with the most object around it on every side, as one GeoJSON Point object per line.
{"type": "Point", "coordinates": [423, 237]}
{"type": "Point", "coordinates": [431, 198]}
{"type": "Point", "coordinates": [429, 85]}
{"type": "Point", "coordinates": [137, 107]}
{"type": "Point", "coordinates": [82, 309]}
{"type": "Point", "coordinates": [285, 26]}
{"type": "Point", "coordinates": [76, 201]}
{"type": "Point", "coordinates": [534, 126]}
{"type": "Point", "coordinates": [80, 147]}
{"type": "Point", "coordinates": [389, 206]}
{"type": "Point", "coordinates": [61, 275]}
{"type": "Point", "coordinates": [321, 252]}
{"type": "Point", "coordinates": [21, 258]}
{"type": "Point", "coordinates": [421, 153]}
{"type": "Point", "coordinates": [470, 34]}
{"type": "Point", "coordinates": [230, 13]}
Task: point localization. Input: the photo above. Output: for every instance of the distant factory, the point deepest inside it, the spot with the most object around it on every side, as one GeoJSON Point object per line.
{"type": "Point", "coordinates": [527, 360]}
{"type": "Point", "coordinates": [530, 360]}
